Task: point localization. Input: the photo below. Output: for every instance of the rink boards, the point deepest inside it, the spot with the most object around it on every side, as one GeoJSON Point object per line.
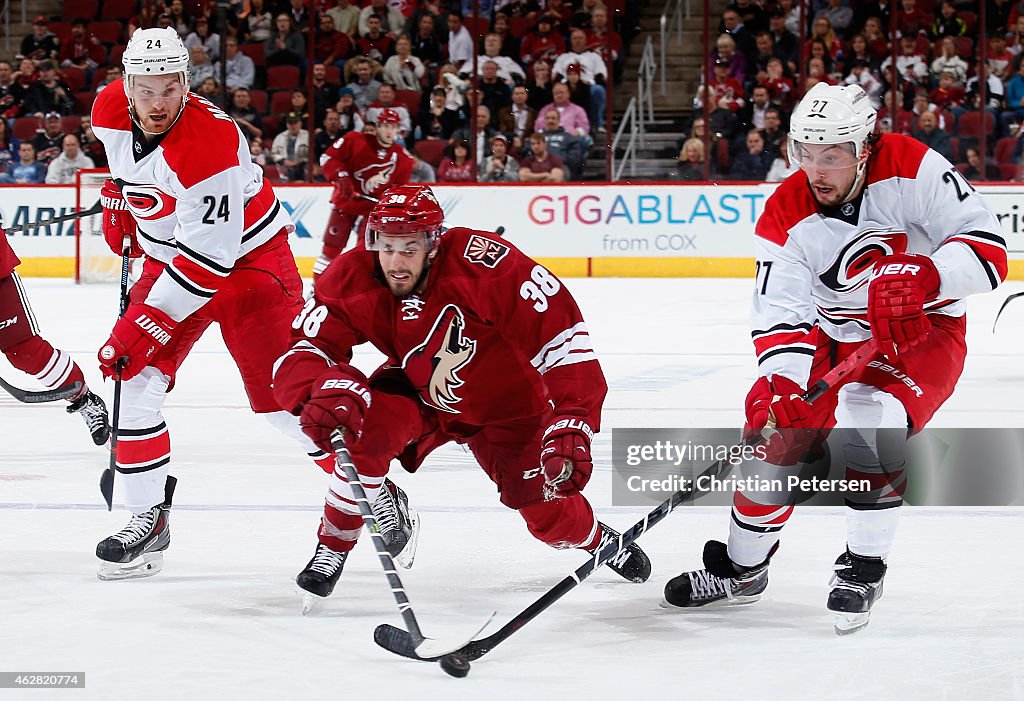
{"type": "Point", "coordinates": [576, 229]}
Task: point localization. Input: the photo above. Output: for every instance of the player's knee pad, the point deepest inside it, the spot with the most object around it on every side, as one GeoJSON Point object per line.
{"type": "Point", "coordinates": [561, 523]}
{"type": "Point", "coordinates": [872, 427]}
{"type": "Point", "coordinates": [142, 399]}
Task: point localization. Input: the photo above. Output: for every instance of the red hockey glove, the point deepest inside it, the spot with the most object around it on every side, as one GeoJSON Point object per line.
{"type": "Point", "coordinates": [900, 287]}
{"type": "Point", "coordinates": [118, 222]}
{"type": "Point", "coordinates": [776, 404]}
{"type": "Point", "coordinates": [135, 339]}
{"type": "Point", "coordinates": [565, 456]}
{"type": "Point", "coordinates": [340, 399]}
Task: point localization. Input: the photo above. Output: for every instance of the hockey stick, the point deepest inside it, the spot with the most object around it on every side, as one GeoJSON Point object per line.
{"type": "Point", "coordinates": [49, 395]}
{"type": "Point", "coordinates": [95, 209]}
{"type": "Point", "coordinates": [420, 646]}
{"type": "Point", "coordinates": [107, 478]}
{"type": "Point", "coordinates": [1006, 301]}
{"type": "Point", "coordinates": [401, 643]}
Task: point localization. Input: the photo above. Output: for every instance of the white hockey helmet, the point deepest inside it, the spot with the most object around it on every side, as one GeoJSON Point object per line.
{"type": "Point", "coordinates": [157, 51]}
{"type": "Point", "coordinates": [832, 114]}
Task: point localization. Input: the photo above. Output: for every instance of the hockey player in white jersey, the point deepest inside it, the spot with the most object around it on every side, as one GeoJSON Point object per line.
{"type": "Point", "coordinates": [214, 236]}
{"type": "Point", "coordinates": [877, 237]}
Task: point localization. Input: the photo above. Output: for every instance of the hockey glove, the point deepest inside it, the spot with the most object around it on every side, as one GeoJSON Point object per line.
{"type": "Point", "coordinates": [775, 410]}
{"type": "Point", "coordinates": [900, 286]}
{"type": "Point", "coordinates": [340, 399]}
{"type": "Point", "coordinates": [135, 340]}
{"type": "Point", "coordinates": [118, 222]}
{"type": "Point", "coordinates": [565, 456]}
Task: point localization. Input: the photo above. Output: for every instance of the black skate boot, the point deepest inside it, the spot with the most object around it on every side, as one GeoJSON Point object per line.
{"type": "Point", "coordinates": [721, 583]}
{"type": "Point", "coordinates": [856, 585]}
{"type": "Point", "coordinates": [137, 549]}
{"type": "Point", "coordinates": [399, 525]}
{"type": "Point", "coordinates": [94, 411]}
{"type": "Point", "coordinates": [632, 564]}
{"type": "Point", "coordinates": [321, 574]}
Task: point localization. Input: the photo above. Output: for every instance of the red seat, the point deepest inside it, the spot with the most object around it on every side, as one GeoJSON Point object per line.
{"type": "Point", "coordinates": [83, 102]}
{"type": "Point", "coordinates": [271, 173]}
{"type": "Point", "coordinates": [431, 150]}
{"type": "Point", "coordinates": [259, 101]}
{"type": "Point", "coordinates": [410, 99]}
{"type": "Point", "coordinates": [256, 52]}
{"type": "Point", "coordinates": [108, 32]}
{"type": "Point", "coordinates": [271, 125]}
{"type": "Point", "coordinates": [1008, 171]}
{"type": "Point", "coordinates": [332, 74]}
{"type": "Point", "coordinates": [281, 77]}
{"type": "Point", "coordinates": [74, 77]}
{"type": "Point", "coordinates": [970, 124]}
{"type": "Point", "coordinates": [62, 30]}
{"type": "Point", "coordinates": [962, 167]}
{"type": "Point", "coordinates": [70, 125]}
{"type": "Point", "coordinates": [281, 102]}
{"type": "Point", "coordinates": [115, 55]}
{"type": "Point", "coordinates": [1004, 149]}
{"type": "Point", "coordinates": [520, 26]}
{"type": "Point", "coordinates": [722, 154]}
{"type": "Point", "coordinates": [119, 9]}
{"type": "Point", "coordinates": [477, 26]}
{"type": "Point", "coordinates": [26, 127]}
{"type": "Point", "coordinates": [971, 20]}
{"type": "Point", "coordinates": [86, 9]}
{"type": "Point", "coordinates": [964, 48]}
{"type": "Point", "coordinates": [954, 149]}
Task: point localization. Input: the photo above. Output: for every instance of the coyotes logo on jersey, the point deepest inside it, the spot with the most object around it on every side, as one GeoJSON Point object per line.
{"type": "Point", "coordinates": [433, 365]}
{"type": "Point", "coordinates": [375, 178]}
{"type": "Point", "coordinates": [483, 251]}
{"type": "Point", "coordinates": [852, 267]}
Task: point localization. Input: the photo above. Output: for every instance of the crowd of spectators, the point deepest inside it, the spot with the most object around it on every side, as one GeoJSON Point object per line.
{"type": "Point", "coordinates": [543, 66]}
{"type": "Point", "coordinates": [939, 89]}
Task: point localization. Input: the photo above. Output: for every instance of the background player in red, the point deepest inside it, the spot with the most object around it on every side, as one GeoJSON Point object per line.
{"type": "Point", "coordinates": [361, 166]}
{"type": "Point", "coordinates": [879, 237]}
{"type": "Point", "coordinates": [485, 347]}
{"type": "Point", "coordinates": [215, 241]}
{"type": "Point", "coordinates": [29, 352]}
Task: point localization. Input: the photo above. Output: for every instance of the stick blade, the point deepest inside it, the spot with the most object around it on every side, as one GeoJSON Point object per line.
{"type": "Point", "coordinates": [400, 642]}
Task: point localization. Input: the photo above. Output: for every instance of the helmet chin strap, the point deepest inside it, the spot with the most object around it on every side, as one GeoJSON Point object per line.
{"type": "Point", "coordinates": [862, 171]}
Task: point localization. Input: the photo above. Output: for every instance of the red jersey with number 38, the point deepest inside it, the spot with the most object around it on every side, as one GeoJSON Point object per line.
{"type": "Point", "coordinates": [494, 336]}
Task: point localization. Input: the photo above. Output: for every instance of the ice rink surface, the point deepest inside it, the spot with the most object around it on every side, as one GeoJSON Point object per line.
{"type": "Point", "coordinates": [222, 621]}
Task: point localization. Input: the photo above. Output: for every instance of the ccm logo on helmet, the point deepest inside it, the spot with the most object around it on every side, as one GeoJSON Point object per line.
{"type": "Point", "coordinates": [349, 385]}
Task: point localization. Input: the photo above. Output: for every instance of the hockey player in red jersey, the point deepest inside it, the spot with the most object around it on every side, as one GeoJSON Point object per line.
{"type": "Point", "coordinates": [29, 352]}
{"type": "Point", "coordinates": [879, 237]}
{"type": "Point", "coordinates": [484, 347]}
{"type": "Point", "coordinates": [361, 166]}
{"type": "Point", "coordinates": [215, 241]}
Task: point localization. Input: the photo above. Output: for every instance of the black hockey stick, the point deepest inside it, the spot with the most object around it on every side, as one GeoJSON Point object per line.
{"type": "Point", "coordinates": [421, 646]}
{"type": "Point", "coordinates": [1006, 301]}
{"type": "Point", "coordinates": [49, 395]}
{"type": "Point", "coordinates": [107, 478]}
{"type": "Point", "coordinates": [95, 209]}
{"type": "Point", "coordinates": [400, 642]}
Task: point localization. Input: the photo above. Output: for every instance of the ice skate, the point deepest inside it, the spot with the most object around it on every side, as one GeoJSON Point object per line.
{"type": "Point", "coordinates": [632, 564]}
{"type": "Point", "coordinates": [137, 550]}
{"type": "Point", "coordinates": [317, 580]}
{"type": "Point", "coordinates": [94, 411]}
{"type": "Point", "coordinates": [399, 525]}
{"type": "Point", "coordinates": [856, 585]}
{"type": "Point", "coordinates": [721, 583]}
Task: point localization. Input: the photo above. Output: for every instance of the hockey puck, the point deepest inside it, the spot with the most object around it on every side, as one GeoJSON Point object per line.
{"type": "Point", "coordinates": [455, 665]}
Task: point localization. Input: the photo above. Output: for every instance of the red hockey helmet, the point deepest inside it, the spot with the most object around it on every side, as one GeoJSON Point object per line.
{"type": "Point", "coordinates": [405, 210]}
{"type": "Point", "coordinates": [388, 116]}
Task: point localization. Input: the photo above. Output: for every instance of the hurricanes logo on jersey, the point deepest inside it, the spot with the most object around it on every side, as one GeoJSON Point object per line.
{"type": "Point", "coordinates": [148, 202]}
{"type": "Point", "coordinates": [851, 269]}
{"type": "Point", "coordinates": [433, 365]}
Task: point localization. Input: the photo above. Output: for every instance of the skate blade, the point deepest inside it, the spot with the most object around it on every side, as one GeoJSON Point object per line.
{"type": "Point", "coordinates": [715, 605]}
{"type": "Point", "coordinates": [847, 623]}
{"type": "Point", "coordinates": [408, 554]}
{"type": "Point", "coordinates": [146, 565]}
